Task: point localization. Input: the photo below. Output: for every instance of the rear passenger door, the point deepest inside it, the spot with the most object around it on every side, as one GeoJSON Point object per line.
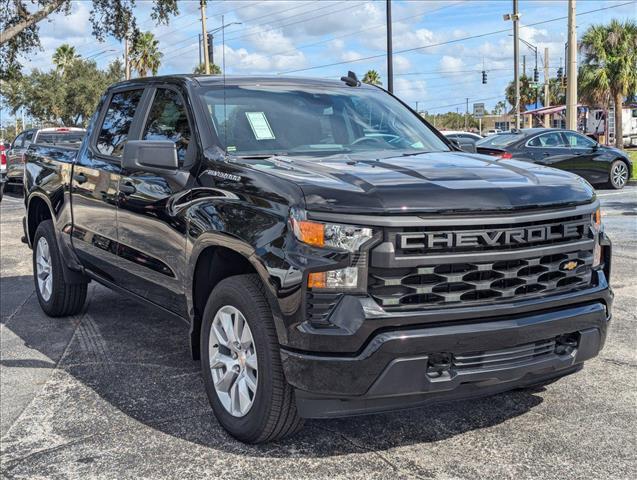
{"type": "Point", "coordinates": [152, 229]}
{"type": "Point", "coordinates": [95, 182]}
{"type": "Point", "coordinates": [548, 149]}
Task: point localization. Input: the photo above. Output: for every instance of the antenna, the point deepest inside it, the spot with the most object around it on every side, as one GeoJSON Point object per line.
{"type": "Point", "coordinates": [223, 72]}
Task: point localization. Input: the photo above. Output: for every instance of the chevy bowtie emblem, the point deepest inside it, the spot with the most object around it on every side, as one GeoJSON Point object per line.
{"type": "Point", "coordinates": [572, 265]}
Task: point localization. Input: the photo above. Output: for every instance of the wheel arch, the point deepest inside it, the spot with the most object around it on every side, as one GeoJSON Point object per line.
{"type": "Point", "coordinates": [38, 209]}
{"type": "Point", "coordinates": [215, 258]}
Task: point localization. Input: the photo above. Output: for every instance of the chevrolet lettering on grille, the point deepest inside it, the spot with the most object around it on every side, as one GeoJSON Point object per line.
{"type": "Point", "coordinates": [490, 238]}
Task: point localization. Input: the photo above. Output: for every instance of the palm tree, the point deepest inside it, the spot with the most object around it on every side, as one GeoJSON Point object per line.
{"type": "Point", "coordinates": [372, 77]}
{"type": "Point", "coordinates": [64, 56]}
{"type": "Point", "coordinates": [500, 108]}
{"type": "Point", "coordinates": [201, 69]}
{"type": "Point", "coordinates": [145, 54]}
{"type": "Point", "coordinates": [609, 69]}
{"type": "Point", "coordinates": [527, 92]}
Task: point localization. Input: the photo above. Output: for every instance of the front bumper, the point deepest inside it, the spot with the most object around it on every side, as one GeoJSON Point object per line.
{"type": "Point", "coordinates": [393, 371]}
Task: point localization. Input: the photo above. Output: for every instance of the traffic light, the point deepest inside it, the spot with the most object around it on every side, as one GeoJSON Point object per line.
{"type": "Point", "coordinates": [536, 75]}
{"type": "Point", "coordinates": [484, 77]}
{"type": "Point", "coordinates": [560, 74]}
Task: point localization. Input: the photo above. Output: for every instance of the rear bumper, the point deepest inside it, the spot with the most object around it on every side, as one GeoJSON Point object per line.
{"type": "Point", "coordinates": [394, 369]}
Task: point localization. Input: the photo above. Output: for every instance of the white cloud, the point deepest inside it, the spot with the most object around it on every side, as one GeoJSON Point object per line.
{"type": "Point", "coordinates": [451, 64]}
{"type": "Point", "coordinates": [241, 60]}
{"type": "Point", "coordinates": [410, 90]}
{"type": "Point", "coordinates": [401, 64]}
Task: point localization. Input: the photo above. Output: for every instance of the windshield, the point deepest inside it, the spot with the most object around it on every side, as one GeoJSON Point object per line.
{"type": "Point", "coordinates": [309, 120]}
{"type": "Point", "coordinates": [499, 140]}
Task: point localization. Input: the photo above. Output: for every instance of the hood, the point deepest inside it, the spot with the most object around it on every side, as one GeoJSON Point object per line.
{"type": "Point", "coordinates": [428, 182]}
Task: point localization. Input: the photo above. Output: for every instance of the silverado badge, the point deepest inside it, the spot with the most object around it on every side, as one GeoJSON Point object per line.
{"type": "Point", "coordinates": [572, 265]}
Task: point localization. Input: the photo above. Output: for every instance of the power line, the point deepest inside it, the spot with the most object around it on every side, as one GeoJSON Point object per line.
{"type": "Point", "coordinates": [378, 25]}
{"type": "Point", "coordinates": [349, 7]}
{"type": "Point", "coordinates": [455, 40]}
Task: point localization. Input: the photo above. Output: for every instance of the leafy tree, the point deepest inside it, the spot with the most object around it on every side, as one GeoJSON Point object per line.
{"type": "Point", "coordinates": [527, 92]}
{"type": "Point", "coordinates": [557, 92]}
{"type": "Point", "coordinates": [201, 69]}
{"type": "Point", "coordinates": [145, 54]}
{"type": "Point", "coordinates": [64, 56]}
{"type": "Point", "coordinates": [69, 102]}
{"type": "Point", "coordinates": [20, 24]}
{"type": "Point", "coordinates": [609, 69]}
{"type": "Point", "coordinates": [372, 77]}
{"type": "Point", "coordinates": [500, 108]}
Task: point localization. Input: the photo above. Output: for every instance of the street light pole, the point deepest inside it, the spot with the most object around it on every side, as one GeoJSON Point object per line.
{"type": "Point", "coordinates": [571, 73]}
{"type": "Point", "coordinates": [516, 61]}
{"type": "Point", "coordinates": [547, 86]}
{"type": "Point", "coordinates": [390, 66]}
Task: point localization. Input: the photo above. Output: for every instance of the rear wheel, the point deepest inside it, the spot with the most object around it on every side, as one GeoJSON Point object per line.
{"type": "Point", "coordinates": [241, 363]}
{"type": "Point", "coordinates": [618, 174]}
{"type": "Point", "coordinates": [57, 297]}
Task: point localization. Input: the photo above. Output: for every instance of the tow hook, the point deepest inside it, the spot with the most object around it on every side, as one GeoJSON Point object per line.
{"type": "Point", "coordinates": [438, 364]}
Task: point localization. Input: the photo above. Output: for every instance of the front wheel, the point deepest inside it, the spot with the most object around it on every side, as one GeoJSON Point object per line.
{"type": "Point", "coordinates": [241, 364]}
{"type": "Point", "coordinates": [618, 174]}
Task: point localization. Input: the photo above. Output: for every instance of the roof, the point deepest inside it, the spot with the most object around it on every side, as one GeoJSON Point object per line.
{"type": "Point", "coordinates": [239, 80]}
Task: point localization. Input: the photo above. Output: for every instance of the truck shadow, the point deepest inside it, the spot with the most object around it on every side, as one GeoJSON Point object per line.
{"type": "Point", "coordinates": [121, 354]}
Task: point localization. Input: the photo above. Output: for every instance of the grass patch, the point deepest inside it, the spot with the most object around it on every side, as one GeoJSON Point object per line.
{"type": "Point", "coordinates": [633, 156]}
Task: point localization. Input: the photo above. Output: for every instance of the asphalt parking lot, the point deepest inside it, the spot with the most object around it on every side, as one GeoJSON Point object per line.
{"type": "Point", "coordinates": [112, 393]}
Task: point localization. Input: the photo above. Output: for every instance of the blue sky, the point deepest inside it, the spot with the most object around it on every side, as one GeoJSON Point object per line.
{"type": "Point", "coordinates": [295, 36]}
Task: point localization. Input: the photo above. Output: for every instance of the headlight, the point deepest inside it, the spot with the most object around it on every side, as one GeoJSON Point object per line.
{"type": "Point", "coordinates": [596, 224]}
{"type": "Point", "coordinates": [319, 234]}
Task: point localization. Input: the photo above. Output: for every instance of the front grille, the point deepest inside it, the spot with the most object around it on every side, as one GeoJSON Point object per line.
{"type": "Point", "coordinates": [455, 284]}
{"type": "Point", "coordinates": [508, 357]}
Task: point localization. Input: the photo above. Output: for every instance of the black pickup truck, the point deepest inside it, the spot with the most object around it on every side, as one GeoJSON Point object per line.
{"type": "Point", "coordinates": [331, 252]}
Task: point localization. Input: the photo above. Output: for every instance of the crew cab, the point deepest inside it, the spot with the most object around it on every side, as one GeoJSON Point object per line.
{"type": "Point", "coordinates": [331, 252]}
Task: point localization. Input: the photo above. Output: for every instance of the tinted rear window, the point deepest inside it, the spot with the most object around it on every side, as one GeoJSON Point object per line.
{"type": "Point", "coordinates": [499, 140]}
{"type": "Point", "coordinates": [57, 138]}
{"type": "Point", "coordinates": [117, 122]}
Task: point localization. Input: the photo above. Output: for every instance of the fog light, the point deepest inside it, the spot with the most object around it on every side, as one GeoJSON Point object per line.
{"type": "Point", "coordinates": [344, 278]}
{"type": "Point", "coordinates": [565, 344]}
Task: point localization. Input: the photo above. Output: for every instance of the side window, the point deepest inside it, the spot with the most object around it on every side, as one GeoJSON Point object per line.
{"type": "Point", "coordinates": [117, 121]}
{"type": "Point", "coordinates": [28, 138]}
{"type": "Point", "coordinates": [167, 120]}
{"type": "Point", "coordinates": [553, 139]}
{"type": "Point", "coordinates": [17, 141]}
{"type": "Point", "coordinates": [578, 141]}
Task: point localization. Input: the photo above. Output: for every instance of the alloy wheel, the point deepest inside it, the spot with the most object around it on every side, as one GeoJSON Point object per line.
{"type": "Point", "coordinates": [619, 174]}
{"type": "Point", "coordinates": [43, 267]}
{"type": "Point", "coordinates": [233, 361]}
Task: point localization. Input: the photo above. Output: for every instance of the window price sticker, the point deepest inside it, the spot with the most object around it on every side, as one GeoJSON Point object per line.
{"type": "Point", "coordinates": [260, 126]}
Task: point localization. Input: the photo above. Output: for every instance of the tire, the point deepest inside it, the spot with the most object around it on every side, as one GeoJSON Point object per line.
{"type": "Point", "coordinates": [272, 415]}
{"type": "Point", "coordinates": [618, 175]}
{"type": "Point", "coordinates": [57, 297]}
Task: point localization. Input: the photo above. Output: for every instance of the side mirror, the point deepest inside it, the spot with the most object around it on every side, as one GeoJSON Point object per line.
{"type": "Point", "coordinates": [595, 146]}
{"type": "Point", "coordinates": [150, 156]}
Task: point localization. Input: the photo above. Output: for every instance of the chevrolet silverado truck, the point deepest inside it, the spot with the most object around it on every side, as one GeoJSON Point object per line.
{"type": "Point", "coordinates": [331, 253]}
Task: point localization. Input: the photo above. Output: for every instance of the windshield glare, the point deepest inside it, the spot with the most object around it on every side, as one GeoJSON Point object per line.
{"type": "Point", "coordinates": [314, 121]}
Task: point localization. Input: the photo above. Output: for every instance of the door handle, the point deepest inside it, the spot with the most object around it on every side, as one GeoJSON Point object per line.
{"type": "Point", "coordinates": [547, 154]}
{"type": "Point", "coordinates": [79, 177]}
{"type": "Point", "coordinates": [127, 188]}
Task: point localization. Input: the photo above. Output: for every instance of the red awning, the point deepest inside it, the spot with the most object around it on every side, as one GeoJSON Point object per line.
{"type": "Point", "coordinates": [545, 110]}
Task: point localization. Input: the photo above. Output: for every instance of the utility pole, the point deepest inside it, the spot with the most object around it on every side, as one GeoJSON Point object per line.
{"type": "Point", "coordinates": [204, 36]}
{"type": "Point", "coordinates": [390, 65]}
{"type": "Point", "coordinates": [516, 61]}
{"type": "Point", "coordinates": [466, 115]}
{"type": "Point", "coordinates": [416, 106]}
{"type": "Point", "coordinates": [547, 90]}
{"type": "Point", "coordinates": [571, 73]}
{"type": "Point", "coordinates": [126, 58]}
{"type": "Point", "coordinates": [199, 36]}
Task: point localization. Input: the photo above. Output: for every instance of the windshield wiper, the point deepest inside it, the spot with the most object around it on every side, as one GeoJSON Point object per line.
{"type": "Point", "coordinates": [409, 154]}
{"type": "Point", "coordinates": [260, 156]}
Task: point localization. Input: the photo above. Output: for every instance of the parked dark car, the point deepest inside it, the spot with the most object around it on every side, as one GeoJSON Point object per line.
{"type": "Point", "coordinates": [563, 149]}
{"type": "Point", "coordinates": [64, 136]}
{"type": "Point", "coordinates": [465, 140]}
{"type": "Point", "coordinates": [330, 251]}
